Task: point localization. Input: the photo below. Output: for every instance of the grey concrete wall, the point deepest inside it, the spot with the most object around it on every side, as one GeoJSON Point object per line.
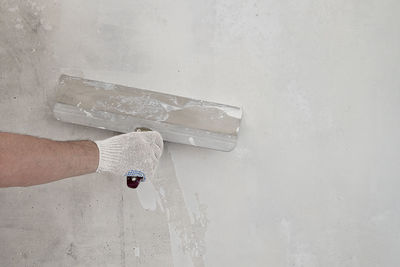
{"type": "Point", "coordinates": [313, 181]}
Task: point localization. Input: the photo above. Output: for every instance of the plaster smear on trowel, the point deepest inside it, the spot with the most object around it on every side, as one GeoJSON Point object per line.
{"type": "Point", "coordinates": [88, 114]}
{"type": "Point", "coordinates": [191, 141]}
{"type": "Point", "coordinates": [148, 107]}
{"type": "Point", "coordinates": [233, 112]}
{"type": "Point", "coordinates": [145, 107]}
{"type": "Point", "coordinates": [228, 110]}
{"type": "Point", "coordinates": [103, 85]}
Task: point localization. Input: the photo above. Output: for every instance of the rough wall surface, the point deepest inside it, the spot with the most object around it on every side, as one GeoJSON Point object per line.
{"type": "Point", "coordinates": [312, 182]}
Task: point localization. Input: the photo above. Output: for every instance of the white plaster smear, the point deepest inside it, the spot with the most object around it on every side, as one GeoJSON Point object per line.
{"type": "Point", "coordinates": [98, 84]}
{"type": "Point", "coordinates": [147, 195]}
{"type": "Point", "coordinates": [191, 141]}
{"type": "Point", "coordinates": [137, 251]}
{"type": "Point", "coordinates": [179, 256]}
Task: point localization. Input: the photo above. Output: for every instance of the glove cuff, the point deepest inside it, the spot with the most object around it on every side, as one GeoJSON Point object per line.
{"type": "Point", "coordinates": [109, 154]}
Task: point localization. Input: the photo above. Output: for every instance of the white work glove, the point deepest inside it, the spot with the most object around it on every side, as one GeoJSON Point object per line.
{"type": "Point", "coordinates": [136, 151]}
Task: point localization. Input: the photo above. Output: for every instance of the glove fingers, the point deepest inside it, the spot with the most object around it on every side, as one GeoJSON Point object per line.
{"type": "Point", "coordinates": [155, 137]}
{"type": "Point", "coordinates": [157, 150]}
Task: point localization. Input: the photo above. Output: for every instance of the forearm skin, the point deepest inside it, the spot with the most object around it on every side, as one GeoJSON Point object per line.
{"type": "Point", "coordinates": [27, 160]}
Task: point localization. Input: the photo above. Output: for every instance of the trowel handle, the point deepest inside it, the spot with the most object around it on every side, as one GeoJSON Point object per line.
{"type": "Point", "coordinates": [142, 129]}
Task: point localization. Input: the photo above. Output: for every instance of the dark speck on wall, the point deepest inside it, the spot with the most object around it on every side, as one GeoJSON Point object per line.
{"type": "Point", "coordinates": [72, 251]}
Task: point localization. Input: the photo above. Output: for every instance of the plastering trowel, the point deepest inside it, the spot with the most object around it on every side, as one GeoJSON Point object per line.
{"type": "Point", "coordinates": [127, 109]}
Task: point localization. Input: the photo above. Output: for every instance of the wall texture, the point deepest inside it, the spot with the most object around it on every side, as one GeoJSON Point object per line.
{"type": "Point", "coordinates": [314, 178]}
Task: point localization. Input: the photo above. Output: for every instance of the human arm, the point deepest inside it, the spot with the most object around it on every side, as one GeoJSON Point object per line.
{"type": "Point", "coordinates": [26, 160]}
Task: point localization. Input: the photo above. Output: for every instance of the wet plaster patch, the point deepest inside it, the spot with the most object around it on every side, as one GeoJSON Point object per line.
{"type": "Point", "coordinates": [159, 225]}
{"type": "Point", "coordinates": [187, 237]}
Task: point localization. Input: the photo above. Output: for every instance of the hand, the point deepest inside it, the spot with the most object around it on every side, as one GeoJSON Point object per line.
{"type": "Point", "coordinates": [138, 151]}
